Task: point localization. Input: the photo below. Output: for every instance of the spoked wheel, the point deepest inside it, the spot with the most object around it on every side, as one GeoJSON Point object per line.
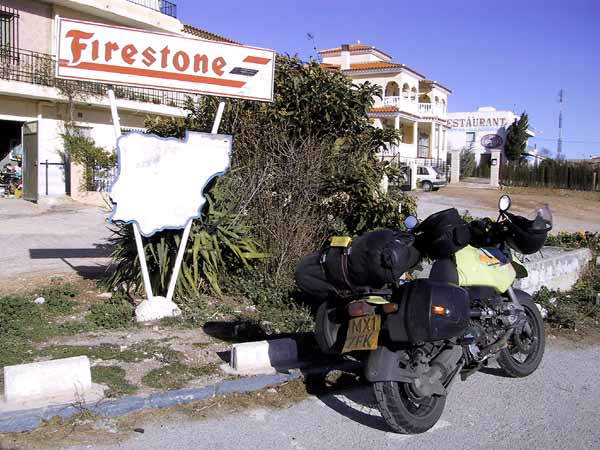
{"type": "Point", "coordinates": [525, 349]}
{"type": "Point", "coordinates": [404, 411]}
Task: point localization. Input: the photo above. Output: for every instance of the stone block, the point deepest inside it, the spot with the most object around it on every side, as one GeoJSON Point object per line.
{"type": "Point", "coordinates": [257, 357]}
{"type": "Point", "coordinates": [155, 309]}
{"type": "Point", "coordinates": [68, 377]}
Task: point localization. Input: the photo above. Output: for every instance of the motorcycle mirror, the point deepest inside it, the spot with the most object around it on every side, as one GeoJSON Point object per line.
{"type": "Point", "coordinates": [411, 222]}
{"type": "Point", "coordinates": [504, 203]}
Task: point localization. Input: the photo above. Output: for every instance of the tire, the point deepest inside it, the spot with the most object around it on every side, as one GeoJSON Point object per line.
{"type": "Point", "coordinates": [327, 329]}
{"type": "Point", "coordinates": [427, 186]}
{"type": "Point", "coordinates": [403, 412]}
{"type": "Point", "coordinates": [509, 358]}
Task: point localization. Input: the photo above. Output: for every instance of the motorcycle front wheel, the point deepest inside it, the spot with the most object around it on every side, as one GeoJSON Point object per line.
{"type": "Point", "coordinates": [525, 349]}
{"type": "Point", "coordinates": [405, 412]}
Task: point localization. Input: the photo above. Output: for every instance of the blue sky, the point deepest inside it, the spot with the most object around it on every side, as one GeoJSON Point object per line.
{"type": "Point", "coordinates": [509, 54]}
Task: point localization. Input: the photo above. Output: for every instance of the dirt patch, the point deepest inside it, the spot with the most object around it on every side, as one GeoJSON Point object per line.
{"type": "Point", "coordinates": [572, 210]}
{"type": "Point", "coordinates": [564, 339]}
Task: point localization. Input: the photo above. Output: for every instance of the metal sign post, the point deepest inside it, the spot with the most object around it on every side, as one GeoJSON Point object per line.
{"type": "Point", "coordinates": [136, 227]}
{"type": "Point", "coordinates": [188, 227]}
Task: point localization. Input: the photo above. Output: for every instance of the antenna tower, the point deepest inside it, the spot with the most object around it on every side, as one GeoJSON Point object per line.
{"type": "Point", "coordinates": [559, 154]}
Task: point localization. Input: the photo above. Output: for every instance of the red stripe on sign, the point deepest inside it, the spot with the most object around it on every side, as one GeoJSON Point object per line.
{"type": "Point", "coordinates": [256, 60]}
{"type": "Point", "coordinates": [94, 67]}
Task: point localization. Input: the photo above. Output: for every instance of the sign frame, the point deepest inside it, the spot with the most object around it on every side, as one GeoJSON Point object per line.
{"type": "Point", "coordinates": [62, 68]}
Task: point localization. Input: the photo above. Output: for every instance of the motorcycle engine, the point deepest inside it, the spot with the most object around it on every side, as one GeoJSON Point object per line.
{"type": "Point", "coordinates": [490, 320]}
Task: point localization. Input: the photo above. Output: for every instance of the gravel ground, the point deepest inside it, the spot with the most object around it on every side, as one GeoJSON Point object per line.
{"type": "Point", "coordinates": [555, 408]}
{"type": "Point", "coordinates": [572, 211]}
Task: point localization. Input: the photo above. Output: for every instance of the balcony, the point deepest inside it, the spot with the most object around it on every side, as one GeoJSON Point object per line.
{"type": "Point", "coordinates": [163, 6]}
{"type": "Point", "coordinates": [406, 104]}
{"type": "Point", "coordinates": [39, 68]}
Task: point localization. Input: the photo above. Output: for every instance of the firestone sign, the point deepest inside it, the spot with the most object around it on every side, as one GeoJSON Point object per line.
{"type": "Point", "coordinates": [125, 56]}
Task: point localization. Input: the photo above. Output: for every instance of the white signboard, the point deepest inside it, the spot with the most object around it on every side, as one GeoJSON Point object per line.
{"type": "Point", "coordinates": [160, 180]}
{"type": "Point", "coordinates": [117, 55]}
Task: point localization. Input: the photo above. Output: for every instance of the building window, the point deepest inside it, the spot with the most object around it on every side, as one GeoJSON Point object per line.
{"type": "Point", "coordinates": [9, 28]}
{"type": "Point", "coordinates": [470, 137]}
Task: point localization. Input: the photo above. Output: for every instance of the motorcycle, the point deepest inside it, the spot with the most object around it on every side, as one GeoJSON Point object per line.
{"type": "Point", "coordinates": [417, 337]}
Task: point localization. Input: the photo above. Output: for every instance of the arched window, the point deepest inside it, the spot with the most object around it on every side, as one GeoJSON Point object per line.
{"type": "Point", "coordinates": [413, 94]}
{"type": "Point", "coordinates": [443, 105]}
{"type": "Point", "coordinates": [437, 101]}
{"type": "Point", "coordinates": [424, 98]}
{"type": "Point", "coordinates": [392, 89]}
{"type": "Point", "coordinates": [405, 89]}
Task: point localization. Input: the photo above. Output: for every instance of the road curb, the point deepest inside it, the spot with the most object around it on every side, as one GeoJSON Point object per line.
{"type": "Point", "coordinates": [29, 420]}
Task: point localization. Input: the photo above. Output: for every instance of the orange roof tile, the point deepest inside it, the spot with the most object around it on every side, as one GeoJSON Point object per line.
{"type": "Point", "coordinates": [198, 32]}
{"type": "Point", "coordinates": [353, 48]}
{"type": "Point", "coordinates": [330, 67]}
{"type": "Point", "coordinates": [384, 109]}
{"type": "Point", "coordinates": [374, 65]}
{"type": "Point", "coordinates": [356, 47]}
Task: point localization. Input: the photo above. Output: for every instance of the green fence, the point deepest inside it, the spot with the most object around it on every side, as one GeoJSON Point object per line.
{"type": "Point", "coordinates": [579, 176]}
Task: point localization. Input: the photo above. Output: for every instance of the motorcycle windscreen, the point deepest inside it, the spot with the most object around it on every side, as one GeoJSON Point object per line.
{"type": "Point", "coordinates": [478, 267]}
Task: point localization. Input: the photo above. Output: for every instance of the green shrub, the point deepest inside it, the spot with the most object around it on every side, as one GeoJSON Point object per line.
{"type": "Point", "coordinates": [116, 312]}
{"type": "Point", "coordinates": [277, 310]}
{"type": "Point", "coordinates": [575, 309]}
{"type": "Point", "coordinates": [176, 375]}
{"type": "Point", "coordinates": [114, 378]}
{"type": "Point", "coordinates": [59, 297]}
{"type": "Point", "coordinates": [19, 316]}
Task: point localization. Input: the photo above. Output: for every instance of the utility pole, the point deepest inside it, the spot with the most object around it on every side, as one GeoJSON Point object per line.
{"type": "Point", "coordinates": [559, 144]}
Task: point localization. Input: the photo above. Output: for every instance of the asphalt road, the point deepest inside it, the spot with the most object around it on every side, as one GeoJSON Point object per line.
{"type": "Point", "coordinates": [66, 237]}
{"type": "Point", "coordinates": [554, 409]}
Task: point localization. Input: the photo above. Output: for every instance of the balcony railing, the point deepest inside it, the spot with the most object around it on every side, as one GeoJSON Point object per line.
{"type": "Point", "coordinates": [39, 68]}
{"type": "Point", "coordinates": [409, 105]}
{"type": "Point", "coordinates": [163, 6]}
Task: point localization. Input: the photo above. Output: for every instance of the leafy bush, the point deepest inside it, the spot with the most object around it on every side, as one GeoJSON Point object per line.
{"type": "Point", "coordinates": [83, 150]}
{"type": "Point", "coordinates": [303, 167]}
{"type": "Point", "coordinates": [467, 162]}
{"type": "Point", "coordinates": [116, 312]}
{"type": "Point", "coordinates": [551, 173]}
{"type": "Point", "coordinates": [580, 239]}
{"type": "Point", "coordinates": [277, 311]}
{"type": "Point", "coordinates": [217, 242]}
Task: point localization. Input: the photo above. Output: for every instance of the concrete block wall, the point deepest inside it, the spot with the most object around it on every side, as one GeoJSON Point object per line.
{"type": "Point", "coordinates": [554, 268]}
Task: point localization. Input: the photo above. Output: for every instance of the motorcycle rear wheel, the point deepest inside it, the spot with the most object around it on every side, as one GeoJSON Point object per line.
{"type": "Point", "coordinates": [525, 350]}
{"type": "Point", "coordinates": [403, 411]}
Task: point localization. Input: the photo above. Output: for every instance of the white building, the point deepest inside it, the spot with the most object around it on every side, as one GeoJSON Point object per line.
{"type": "Point", "coordinates": [33, 107]}
{"type": "Point", "coordinates": [412, 104]}
{"type": "Point", "coordinates": [480, 130]}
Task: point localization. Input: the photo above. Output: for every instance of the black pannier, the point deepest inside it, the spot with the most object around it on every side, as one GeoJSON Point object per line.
{"type": "Point", "coordinates": [442, 234]}
{"type": "Point", "coordinates": [428, 311]}
{"type": "Point", "coordinates": [347, 267]}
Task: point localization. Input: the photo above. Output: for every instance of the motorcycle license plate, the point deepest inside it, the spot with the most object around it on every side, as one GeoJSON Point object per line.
{"type": "Point", "coordinates": [363, 333]}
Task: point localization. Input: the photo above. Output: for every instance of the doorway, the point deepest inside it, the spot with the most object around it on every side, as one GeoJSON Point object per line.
{"type": "Point", "coordinates": [30, 161]}
{"type": "Point", "coordinates": [11, 152]}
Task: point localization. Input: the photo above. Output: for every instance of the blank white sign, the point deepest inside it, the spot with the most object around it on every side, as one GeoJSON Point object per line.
{"type": "Point", "coordinates": [161, 180]}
